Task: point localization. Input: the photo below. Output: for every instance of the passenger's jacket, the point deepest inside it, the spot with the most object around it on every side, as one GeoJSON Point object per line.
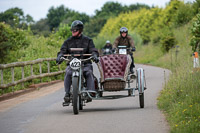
{"type": "Point", "coordinates": [79, 42]}
{"type": "Point", "coordinates": [109, 46]}
{"type": "Point", "coordinates": [127, 41]}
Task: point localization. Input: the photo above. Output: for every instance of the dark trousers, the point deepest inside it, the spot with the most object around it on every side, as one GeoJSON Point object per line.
{"type": "Point", "coordinates": [132, 63]}
{"type": "Point", "coordinates": [87, 73]}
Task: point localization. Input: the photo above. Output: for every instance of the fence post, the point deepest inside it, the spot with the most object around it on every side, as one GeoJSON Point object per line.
{"type": "Point", "coordinates": [1, 76]}
{"type": "Point", "coordinates": [31, 70]}
{"type": "Point", "coordinates": [2, 79]}
{"type": "Point", "coordinates": [40, 71]}
{"type": "Point", "coordinates": [48, 66]}
{"type": "Point", "coordinates": [23, 76]}
{"type": "Point", "coordinates": [13, 77]}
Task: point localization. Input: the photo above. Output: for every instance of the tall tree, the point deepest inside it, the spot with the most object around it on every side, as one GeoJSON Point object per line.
{"type": "Point", "coordinates": [55, 16]}
{"type": "Point", "coordinates": [59, 15]}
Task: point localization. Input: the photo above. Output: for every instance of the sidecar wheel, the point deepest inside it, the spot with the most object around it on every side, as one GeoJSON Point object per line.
{"type": "Point", "coordinates": [76, 98]}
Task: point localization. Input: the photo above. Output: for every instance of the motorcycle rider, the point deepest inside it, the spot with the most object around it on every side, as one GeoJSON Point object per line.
{"type": "Point", "coordinates": [78, 40]}
{"type": "Point", "coordinates": [108, 45]}
{"type": "Point", "coordinates": [125, 40]}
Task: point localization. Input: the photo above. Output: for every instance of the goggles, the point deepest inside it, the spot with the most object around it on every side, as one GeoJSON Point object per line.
{"type": "Point", "coordinates": [74, 30]}
{"type": "Point", "coordinates": [123, 31]}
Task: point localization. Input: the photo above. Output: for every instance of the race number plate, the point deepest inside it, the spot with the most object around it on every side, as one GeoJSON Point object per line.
{"type": "Point", "coordinates": [122, 51]}
{"type": "Point", "coordinates": [75, 64]}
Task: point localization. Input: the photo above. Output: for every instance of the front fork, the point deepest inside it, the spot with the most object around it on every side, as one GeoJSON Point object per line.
{"type": "Point", "coordinates": [77, 73]}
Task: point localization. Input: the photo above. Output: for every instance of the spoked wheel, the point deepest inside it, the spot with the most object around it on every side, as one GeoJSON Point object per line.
{"type": "Point", "coordinates": [141, 98]}
{"type": "Point", "coordinates": [76, 97]}
{"type": "Point", "coordinates": [140, 85]}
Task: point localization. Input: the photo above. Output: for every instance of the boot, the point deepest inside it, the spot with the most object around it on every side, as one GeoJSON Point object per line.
{"type": "Point", "coordinates": [67, 98]}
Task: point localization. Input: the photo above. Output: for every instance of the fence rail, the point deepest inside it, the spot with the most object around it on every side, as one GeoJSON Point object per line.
{"type": "Point", "coordinates": [22, 65]}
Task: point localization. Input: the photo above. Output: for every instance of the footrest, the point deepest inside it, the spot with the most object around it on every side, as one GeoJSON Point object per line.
{"type": "Point", "coordinates": [89, 91]}
{"type": "Point", "coordinates": [65, 104]}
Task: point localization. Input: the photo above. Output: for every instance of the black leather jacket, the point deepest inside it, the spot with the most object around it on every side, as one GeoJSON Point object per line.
{"type": "Point", "coordinates": [79, 42]}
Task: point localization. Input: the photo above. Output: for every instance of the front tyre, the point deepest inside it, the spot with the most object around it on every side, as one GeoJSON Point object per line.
{"type": "Point", "coordinates": [76, 97]}
{"type": "Point", "coordinates": [141, 99]}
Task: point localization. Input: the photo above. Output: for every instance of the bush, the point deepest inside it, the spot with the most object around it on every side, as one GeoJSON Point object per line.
{"type": "Point", "coordinates": [11, 40]}
{"type": "Point", "coordinates": [168, 42]}
{"type": "Point", "coordinates": [55, 39]}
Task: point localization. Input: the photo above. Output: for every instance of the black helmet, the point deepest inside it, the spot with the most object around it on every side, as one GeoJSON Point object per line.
{"type": "Point", "coordinates": [123, 29]}
{"type": "Point", "coordinates": [77, 24]}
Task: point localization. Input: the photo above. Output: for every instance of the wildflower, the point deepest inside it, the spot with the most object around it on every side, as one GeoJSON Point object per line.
{"type": "Point", "coordinates": [184, 110]}
{"type": "Point", "coordinates": [190, 106]}
{"type": "Point", "coordinates": [176, 125]}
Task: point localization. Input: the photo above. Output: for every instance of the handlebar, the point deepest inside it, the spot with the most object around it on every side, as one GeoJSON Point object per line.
{"type": "Point", "coordinates": [77, 55]}
{"type": "Point", "coordinates": [129, 49]}
{"type": "Point", "coordinates": [79, 59]}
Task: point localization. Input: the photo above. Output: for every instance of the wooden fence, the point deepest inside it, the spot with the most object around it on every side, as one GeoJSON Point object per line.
{"type": "Point", "coordinates": [32, 76]}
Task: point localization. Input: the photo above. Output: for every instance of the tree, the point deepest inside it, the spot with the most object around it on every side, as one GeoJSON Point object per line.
{"type": "Point", "coordinates": [12, 16]}
{"type": "Point", "coordinates": [41, 27]}
{"type": "Point", "coordinates": [15, 17]}
{"type": "Point", "coordinates": [55, 16]}
{"type": "Point", "coordinates": [59, 15]}
{"type": "Point", "coordinates": [109, 10]}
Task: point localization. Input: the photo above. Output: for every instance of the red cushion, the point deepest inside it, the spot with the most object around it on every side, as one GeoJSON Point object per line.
{"type": "Point", "coordinates": [114, 66]}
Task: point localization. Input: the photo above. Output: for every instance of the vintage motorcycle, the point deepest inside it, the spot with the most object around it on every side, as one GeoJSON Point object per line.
{"type": "Point", "coordinates": [114, 72]}
{"type": "Point", "coordinates": [79, 93]}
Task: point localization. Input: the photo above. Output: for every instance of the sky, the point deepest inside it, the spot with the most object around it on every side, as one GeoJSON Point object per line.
{"type": "Point", "coordinates": [39, 8]}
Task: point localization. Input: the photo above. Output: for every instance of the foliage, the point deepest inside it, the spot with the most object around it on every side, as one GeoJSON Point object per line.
{"type": "Point", "coordinates": [64, 31]}
{"type": "Point", "coordinates": [151, 24]}
{"type": "Point", "coordinates": [109, 10]}
{"type": "Point", "coordinates": [196, 6]}
{"type": "Point", "coordinates": [15, 17]}
{"type": "Point", "coordinates": [184, 14]}
{"type": "Point", "coordinates": [195, 40]}
{"type": "Point", "coordinates": [38, 48]}
{"type": "Point", "coordinates": [62, 34]}
{"type": "Point", "coordinates": [55, 16]}
{"type": "Point", "coordinates": [180, 100]}
{"type": "Point", "coordinates": [41, 27]}
{"type": "Point", "coordinates": [61, 14]}
{"type": "Point", "coordinates": [168, 42]}
{"type": "Point", "coordinates": [11, 40]}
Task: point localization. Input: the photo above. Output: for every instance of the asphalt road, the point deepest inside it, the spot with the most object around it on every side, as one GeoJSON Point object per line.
{"type": "Point", "coordinates": [45, 114]}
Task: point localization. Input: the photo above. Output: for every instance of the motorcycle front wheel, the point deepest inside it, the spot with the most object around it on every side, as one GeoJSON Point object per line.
{"type": "Point", "coordinates": [76, 97]}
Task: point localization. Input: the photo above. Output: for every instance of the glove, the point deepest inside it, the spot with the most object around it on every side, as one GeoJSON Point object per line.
{"type": "Point", "coordinates": [133, 49]}
{"type": "Point", "coordinates": [59, 60]}
{"type": "Point", "coordinates": [95, 58]}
